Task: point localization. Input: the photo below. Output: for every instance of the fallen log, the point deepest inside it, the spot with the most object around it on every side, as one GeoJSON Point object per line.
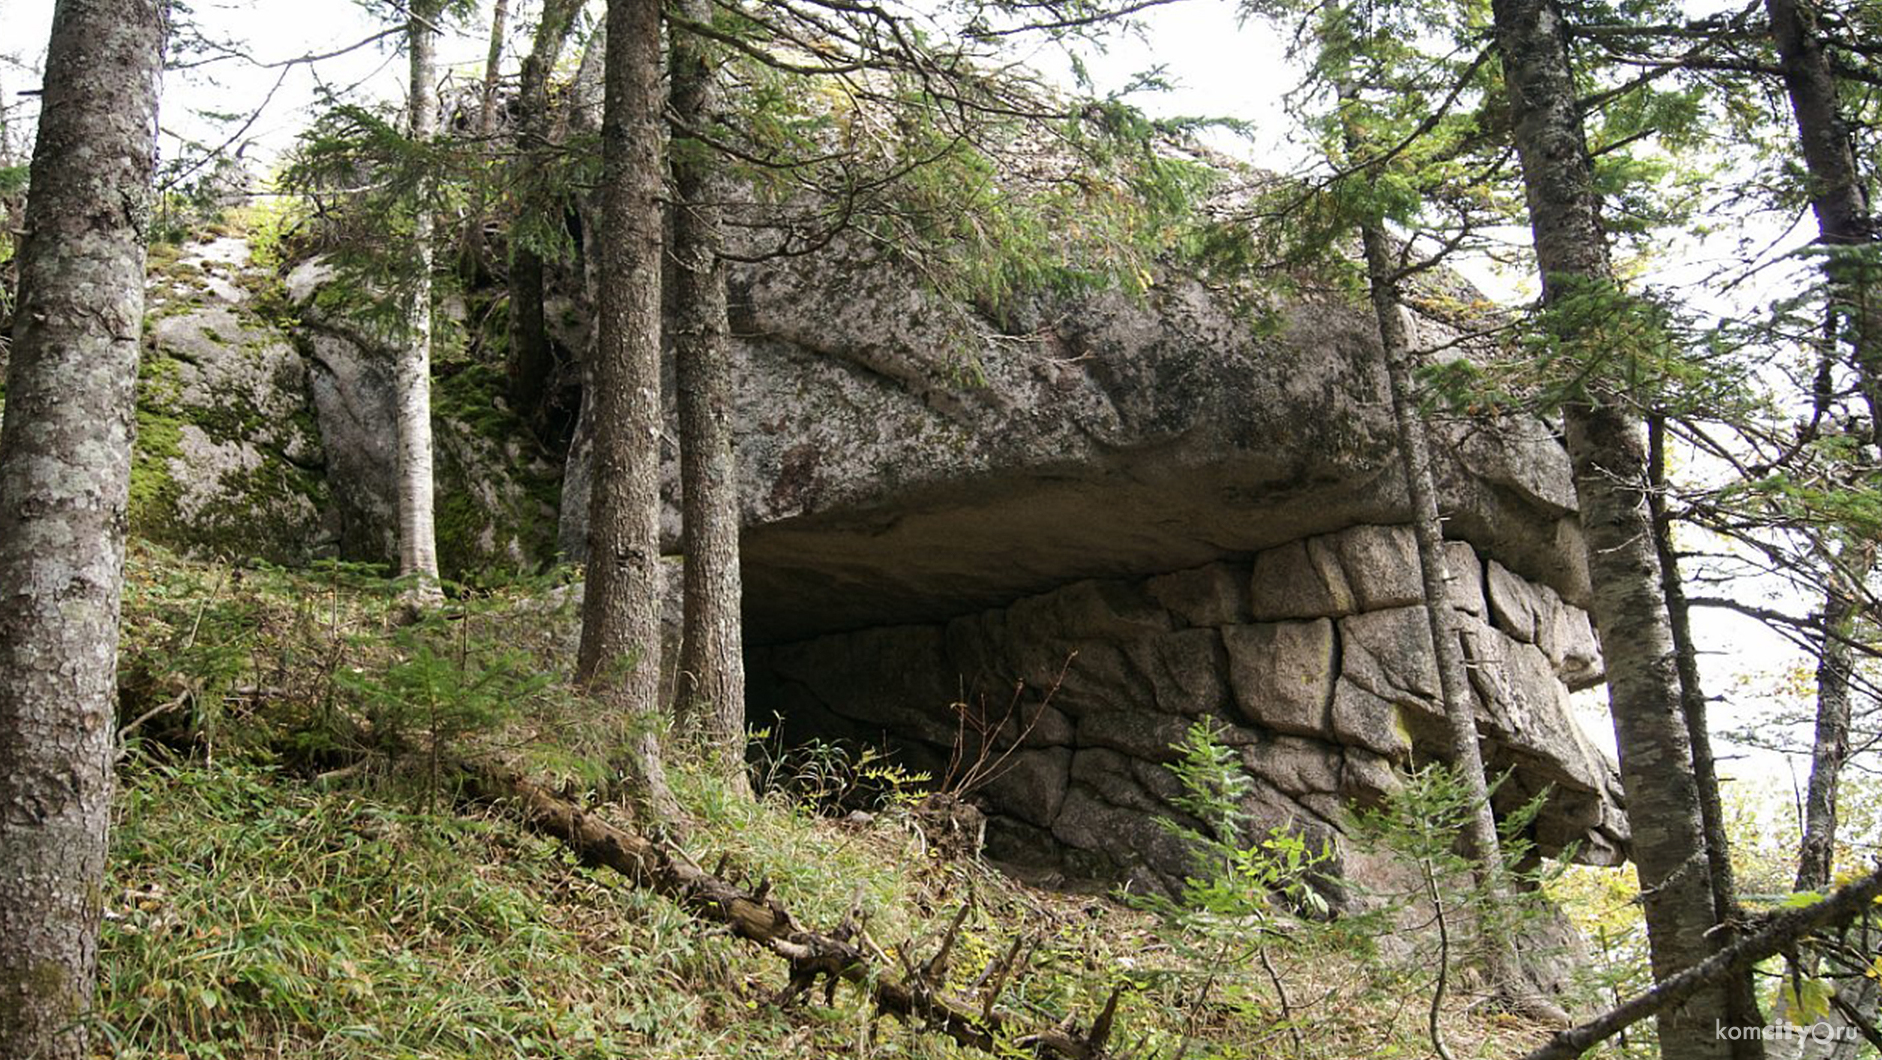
{"type": "Point", "coordinates": [761, 920]}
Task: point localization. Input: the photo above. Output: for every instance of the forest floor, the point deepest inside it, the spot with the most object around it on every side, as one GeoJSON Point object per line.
{"type": "Point", "coordinates": [283, 886]}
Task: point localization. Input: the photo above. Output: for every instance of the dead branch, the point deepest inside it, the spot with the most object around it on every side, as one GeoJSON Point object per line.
{"type": "Point", "coordinates": [1779, 933]}
{"type": "Point", "coordinates": [764, 922]}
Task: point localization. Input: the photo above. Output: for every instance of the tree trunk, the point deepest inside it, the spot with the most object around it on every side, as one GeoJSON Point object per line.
{"type": "Point", "coordinates": [1839, 199]}
{"type": "Point", "coordinates": [418, 540]}
{"type": "Point", "coordinates": [65, 458]}
{"type": "Point", "coordinates": [532, 359]}
{"type": "Point", "coordinates": [1743, 997]}
{"type": "Point", "coordinates": [1608, 453]}
{"type": "Point", "coordinates": [493, 68]}
{"type": "Point", "coordinates": [619, 658]}
{"type": "Point", "coordinates": [1829, 749]}
{"type": "Point", "coordinates": [1838, 196]}
{"type": "Point", "coordinates": [472, 258]}
{"type": "Point", "coordinates": [712, 666]}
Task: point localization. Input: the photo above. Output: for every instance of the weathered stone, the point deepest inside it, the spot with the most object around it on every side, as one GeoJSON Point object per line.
{"type": "Point", "coordinates": [1087, 610]}
{"type": "Point", "coordinates": [1388, 653]}
{"type": "Point", "coordinates": [1381, 565]}
{"type": "Point", "coordinates": [1364, 720]}
{"type": "Point", "coordinates": [1294, 765]}
{"type": "Point", "coordinates": [1319, 712]}
{"type": "Point", "coordinates": [1211, 595]}
{"type": "Point", "coordinates": [1567, 637]}
{"type": "Point", "coordinates": [1529, 709]}
{"type": "Point", "coordinates": [1514, 603]}
{"type": "Point", "coordinates": [1126, 835]}
{"type": "Point", "coordinates": [921, 550]}
{"type": "Point", "coordinates": [1029, 785]}
{"type": "Point", "coordinates": [1465, 590]}
{"type": "Point", "coordinates": [1138, 733]}
{"type": "Point", "coordinates": [1028, 851]}
{"type": "Point", "coordinates": [1301, 579]}
{"type": "Point", "coordinates": [226, 461]}
{"type": "Point", "coordinates": [1283, 673]}
{"type": "Point", "coordinates": [1183, 671]}
{"type": "Point", "coordinates": [1365, 777]}
{"type": "Point", "coordinates": [1138, 436]}
{"type": "Point", "coordinates": [1536, 614]}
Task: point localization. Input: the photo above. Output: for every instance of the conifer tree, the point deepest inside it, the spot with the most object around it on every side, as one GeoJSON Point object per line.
{"type": "Point", "coordinates": [65, 460]}
{"type": "Point", "coordinates": [711, 666]}
{"type": "Point", "coordinates": [1586, 311]}
{"type": "Point", "coordinates": [620, 640]}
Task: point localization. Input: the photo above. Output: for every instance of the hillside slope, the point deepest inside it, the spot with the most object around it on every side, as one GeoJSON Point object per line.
{"type": "Point", "coordinates": [283, 886]}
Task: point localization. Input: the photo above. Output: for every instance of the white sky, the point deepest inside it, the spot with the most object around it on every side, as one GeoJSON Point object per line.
{"type": "Point", "coordinates": [1218, 67]}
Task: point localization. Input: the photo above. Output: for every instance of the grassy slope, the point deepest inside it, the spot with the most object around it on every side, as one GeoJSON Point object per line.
{"type": "Point", "coordinates": [277, 895]}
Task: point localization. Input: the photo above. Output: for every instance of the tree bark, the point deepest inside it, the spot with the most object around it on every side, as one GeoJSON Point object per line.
{"type": "Point", "coordinates": [712, 666]}
{"type": "Point", "coordinates": [65, 458]}
{"type": "Point", "coordinates": [1609, 458]}
{"type": "Point", "coordinates": [473, 251]}
{"type": "Point", "coordinates": [1838, 196]}
{"type": "Point", "coordinates": [1743, 994]}
{"type": "Point", "coordinates": [1839, 200]}
{"type": "Point", "coordinates": [619, 657]}
{"type": "Point", "coordinates": [418, 539]}
{"type": "Point", "coordinates": [532, 359]}
{"type": "Point", "coordinates": [1829, 750]}
{"type": "Point", "coordinates": [1775, 935]}
{"type": "Point", "coordinates": [493, 68]}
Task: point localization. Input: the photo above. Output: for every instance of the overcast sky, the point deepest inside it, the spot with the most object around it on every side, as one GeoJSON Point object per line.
{"type": "Point", "coordinates": [1219, 69]}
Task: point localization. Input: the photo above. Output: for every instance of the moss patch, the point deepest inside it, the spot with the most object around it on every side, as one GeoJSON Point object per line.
{"type": "Point", "coordinates": [260, 510]}
{"type": "Point", "coordinates": [497, 489]}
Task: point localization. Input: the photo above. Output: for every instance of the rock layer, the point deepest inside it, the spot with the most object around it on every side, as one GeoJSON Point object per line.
{"type": "Point", "coordinates": [1313, 658]}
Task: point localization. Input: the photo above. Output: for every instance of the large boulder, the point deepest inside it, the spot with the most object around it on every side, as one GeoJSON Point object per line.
{"type": "Point", "coordinates": [265, 428]}
{"type": "Point", "coordinates": [229, 459]}
{"type": "Point", "coordinates": [1139, 512]}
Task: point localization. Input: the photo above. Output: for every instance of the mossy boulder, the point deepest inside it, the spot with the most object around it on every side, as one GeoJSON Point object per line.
{"type": "Point", "coordinates": [228, 458]}
{"type": "Point", "coordinates": [496, 491]}
{"type": "Point", "coordinates": [265, 429]}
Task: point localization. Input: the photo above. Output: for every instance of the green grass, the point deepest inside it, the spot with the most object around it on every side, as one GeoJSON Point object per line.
{"type": "Point", "coordinates": [279, 889]}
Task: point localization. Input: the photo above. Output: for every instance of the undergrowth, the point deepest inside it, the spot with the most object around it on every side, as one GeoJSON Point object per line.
{"type": "Point", "coordinates": [284, 887]}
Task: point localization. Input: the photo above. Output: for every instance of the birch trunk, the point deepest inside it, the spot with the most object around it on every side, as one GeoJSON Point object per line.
{"type": "Point", "coordinates": [418, 544]}
{"type": "Point", "coordinates": [65, 458]}
{"type": "Point", "coordinates": [712, 666]}
{"type": "Point", "coordinates": [1607, 449]}
{"type": "Point", "coordinates": [619, 657]}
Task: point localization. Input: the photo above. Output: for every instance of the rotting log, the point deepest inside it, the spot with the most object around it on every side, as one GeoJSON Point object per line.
{"type": "Point", "coordinates": [760, 919]}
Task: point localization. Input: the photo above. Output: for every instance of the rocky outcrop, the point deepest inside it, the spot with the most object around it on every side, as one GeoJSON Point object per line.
{"type": "Point", "coordinates": [905, 458]}
{"type": "Point", "coordinates": [495, 490]}
{"type": "Point", "coordinates": [229, 458]}
{"type": "Point", "coordinates": [1312, 658]}
{"type": "Point", "coordinates": [269, 437]}
{"type": "Point", "coordinates": [1185, 504]}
